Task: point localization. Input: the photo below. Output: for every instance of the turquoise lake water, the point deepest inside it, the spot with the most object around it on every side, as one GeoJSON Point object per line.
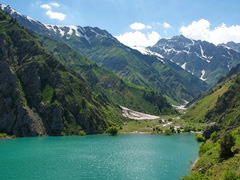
{"type": "Point", "coordinates": [98, 157]}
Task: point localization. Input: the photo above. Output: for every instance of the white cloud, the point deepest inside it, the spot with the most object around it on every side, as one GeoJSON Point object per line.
{"type": "Point", "coordinates": [166, 25]}
{"type": "Point", "coordinates": [55, 4]}
{"type": "Point", "coordinates": [45, 6]}
{"type": "Point", "coordinates": [53, 15]}
{"type": "Point", "coordinates": [149, 27]}
{"type": "Point", "coordinates": [138, 38]}
{"type": "Point", "coordinates": [56, 15]}
{"type": "Point", "coordinates": [200, 30]}
{"type": "Point", "coordinates": [137, 26]}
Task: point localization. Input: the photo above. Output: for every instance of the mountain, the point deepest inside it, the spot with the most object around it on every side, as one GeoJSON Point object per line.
{"type": "Point", "coordinates": [220, 107]}
{"type": "Point", "coordinates": [120, 92]}
{"type": "Point", "coordinates": [130, 65]}
{"type": "Point", "coordinates": [232, 45]}
{"type": "Point", "coordinates": [201, 58]}
{"type": "Point", "coordinates": [40, 96]}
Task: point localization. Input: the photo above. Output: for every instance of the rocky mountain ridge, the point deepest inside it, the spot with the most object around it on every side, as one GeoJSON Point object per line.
{"type": "Point", "coordinates": [201, 58]}
{"type": "Point", "coordinates": [232, 45]}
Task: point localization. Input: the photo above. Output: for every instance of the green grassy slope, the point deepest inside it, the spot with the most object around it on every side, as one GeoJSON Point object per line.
{"type": "Point", "coordinates": [220, 105]}
{"type": "Point", "coordinates": [109, 53]}
{"type": "Point", "coordinates": [227, 110]}
{"type": "Point", "coordinates": [122, 93]}
{"type": "Point", "coordinates": [140, 69]}
{"type": "Point", "coordinates": [226, 91]}
{"type": "Point", "coordinates": [198, 110]}
{"type": "Point", "coordinates": [184, 84]}
{"type": "Point", "coordinates": [211, 167]}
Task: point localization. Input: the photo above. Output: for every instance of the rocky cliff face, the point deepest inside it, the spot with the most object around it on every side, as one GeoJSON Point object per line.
{"type": "Point", "coordinates": [39, 96]}
{"type": "Point", "coordinates": [15, 118]}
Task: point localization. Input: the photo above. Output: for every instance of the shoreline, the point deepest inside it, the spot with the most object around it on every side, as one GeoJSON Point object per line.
{"type": "Point", "coordinates": [121, 133]}
{"type": "Point", "coordinates": [5, 138]}
{"type": "Point", "coordinates": [151, 133]}
{"type": "Point", "coordinates": [194, 164]}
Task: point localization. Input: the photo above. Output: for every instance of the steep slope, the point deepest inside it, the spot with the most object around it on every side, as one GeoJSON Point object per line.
{"type": "Point", "coordinates": [210, 166]}
{"type": "Point", "coordinates": [219, 104]}
{"type": "Point", "coordinates": [223, 134]}
{"type": "Point", "coordinates": [101, 47]}
{"type": "Point", "coordinates": [184, 84]}
{"type": "Point", "coordinates": [39, 96]}
{"type": "Point", "coordinates": [122, 93]}
{"type": "Point", "coordinates": [203, 59]}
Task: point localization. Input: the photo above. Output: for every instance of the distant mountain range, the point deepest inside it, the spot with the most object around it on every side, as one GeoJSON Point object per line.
{"type": "Point", "coordinates": [201, 58]}
{"type": "Point", "coordinates": [232, 45]}
{"type": "Point", "coordinates": [130, 65]}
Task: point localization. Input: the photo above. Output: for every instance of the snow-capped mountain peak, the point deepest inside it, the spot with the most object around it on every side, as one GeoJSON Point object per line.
{"type": "Point", "coordinates": [67, 32]}
{"type": "Point", "coordinates": [8, 9]}
{"type": "Point", "coordinates": [200, 58]}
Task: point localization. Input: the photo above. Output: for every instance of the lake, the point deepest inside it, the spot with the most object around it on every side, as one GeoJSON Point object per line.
{"type": "Point", "coordinates": [98, 157]}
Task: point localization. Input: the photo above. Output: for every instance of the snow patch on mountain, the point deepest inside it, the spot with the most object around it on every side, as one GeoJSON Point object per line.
{"type": "Point", "coordinates": [203, 74]}
{"type": "Point", "coordinates": [3, 6]}
{"type": "Point", "coordinates": [62, 33]}
{"type": "Point", "coordinates": [96, 34]}
{"type": "Point", "coordinates": [154, 53]}
{"type": "Point", "coordinates": [73, 29]}
{"type": "Point", "coordinates": [30, 19]}
{"type": "Point", "coordinates": [146, 51]}
{"type": "Point", "coordinates": [184, 66]}
{"type": "Point", "coordinates": [186, 51]}
{"type": "Point", "coordinates": [202, 52]}
{"type": "Point", "coordinates": [141, 49]}
{"type": "Point", "coordinates": [8, 8]}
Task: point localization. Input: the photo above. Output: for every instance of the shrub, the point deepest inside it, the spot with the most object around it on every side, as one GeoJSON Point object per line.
{"type": "Point", "coordinates": [230, 175]}
{"type": "Point", "coordinates": [236, 132]}
{"type": "Point", "coordinates": [213, 135]}
{"type": "Point", "coordinates": [226, 145]}
{"type": "Point", "coordinates": [199, 138]}
{"type": "Point", "coordinates": [204, 147]}
{"type": "Point", "coordinates": [168, 132]}
{"type": "Point", "coordinates": [159, 129]}
{"type": "Point", "coordinates": [63, 134]}
{"type": "Point", "coordinates": [170, 119]}
{"type": "Point", "coordinates": [172, 129]}
{"type": "Point", "coordinates": [193, 176]}
{"type": "Point", "coordinates": [160, 121]}
{"type": "Point", "coordinates": [187, 129]}
{"type": "Point", "coordinates": [178, 130]}
{"type": "Point", "coordinates": [3, 135]}
{"type": "Point", "coordinates": [113, 130]}
{"type": "Point", "coordinates": [82, 133]}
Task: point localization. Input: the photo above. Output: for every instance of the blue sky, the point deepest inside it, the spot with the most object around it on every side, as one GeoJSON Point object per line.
{"type": "Point", "coordinates": [164, 17]}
